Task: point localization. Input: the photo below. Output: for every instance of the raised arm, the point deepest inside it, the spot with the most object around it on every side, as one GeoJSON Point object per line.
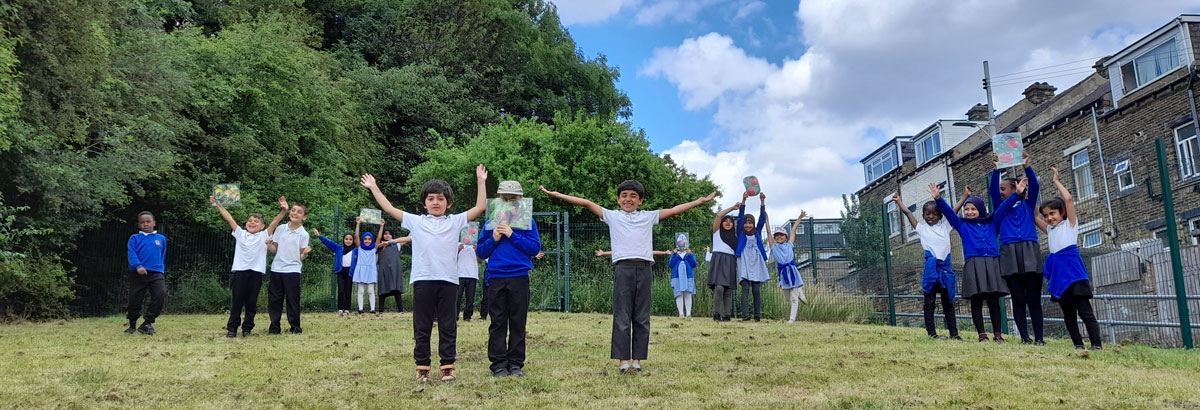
{"type": "Point", "coordinates": [1034, 188]}
{"type": "Point", "coordinates": [1068, 201]}
{"type": "Point", "coordinates": [795, 226]}
{"type": "Point", "coordinates": [480, 207]}
{"type": "Point", "coordinates": [912, 220]}
{"type": "Point", "coordinates": [966, 194]}
{"type": "Point", "coordinates": [678, 209]}
{"type": "Point", "coordinates": [577, 201]}
{"type": "Point", "coordinates": [721, 215]}
{"type": "Point", "coordinates": [762, 212]}
{"type": "Point", "coordinates": [368, 181]}
{"type": "Point", "coordinates": [329, 243]}
{"type": "Point", "coordinates": [994, 184]}
{"type": "Point", "coordinates": [379, 235]}
{"type": "Point", "coordinates": [944, 207]}
{"type": "Point", "coordinates": [357, 235]}
{"type": "Point", "coordinates": [224, 214]}
{"type": "Point", "coordinates": [283, 205]}
{"type": "Point", "coordinates": [1006, 207]}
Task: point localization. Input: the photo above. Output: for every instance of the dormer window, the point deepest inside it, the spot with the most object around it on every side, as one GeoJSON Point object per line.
{"type": "Point", "coordinates": [880, 165]}
{"type": "Point", "coordinates": [928, 147]}
{"type": "Point", "coordinates": [1147, 67]}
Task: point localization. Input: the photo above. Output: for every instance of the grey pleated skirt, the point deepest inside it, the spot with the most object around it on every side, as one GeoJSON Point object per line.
{"type": "Point", "coordinates": [981, 277]}
{"type": "Point", "coordinates": [1021, 257]}
{"type": "Point", "coordinates": [723, 271]}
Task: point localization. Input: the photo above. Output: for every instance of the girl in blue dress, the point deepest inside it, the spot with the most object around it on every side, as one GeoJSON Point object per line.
{"type": "Point", "coordinates": [366, 271]}
{"type": "Point", "coordinates": [752, 258]}
{"type": "Point", "coordinates": [1067, 278]}
{"type": "Point", "coordinates": [683, 279]}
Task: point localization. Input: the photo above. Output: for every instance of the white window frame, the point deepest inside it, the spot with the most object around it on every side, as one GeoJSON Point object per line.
{"type": "Point", "coordinates": [1078, 170]}
{"type": "Point", "coordinates": [936, 146]}
{"type": "Point", "coordinates": [893, 212]}
{"type": "Point", "coordinates": [1132, 64]}
{"type": "Point", "coordinates": [1123, 169]}
{"type": "Point", "coordinates": [912, 230]}
{"type": "Point", "coordinates": [836, 228]}
{"type": "Point", "coordinates": [880, 161]}
{"type": "Point", "coordinates": [1086, 230]}
{"type": "Point", "coordinates": [1193, 230]}
{"type": "Point", "coordinates": [1187, 158]}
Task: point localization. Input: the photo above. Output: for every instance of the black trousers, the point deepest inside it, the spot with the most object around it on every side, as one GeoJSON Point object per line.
{"type": "Point", "coordinates": [1075, 308]}
{"type": "Point", "coordinates": [344, 284]}
{"type": "Point", "coordinates": [245, 285]}
{"type": "Point", "coordinates": [466, 296]}
{"type": "Point", "coordinates": [509, 309]}
{"type": "Point", "coordinates": [947, 309]}
{"type": "Point", "coordinates": [993, 304]}
{"type": "Point", "coordinates": [434, 300]}
{"type": "Point", "coordinates": [483, 301]}
{"type": "Point", "coordinates": [631, 310]}
{"type": "Point", "coordinates": [749, 287]}
{"type": "Point", "coordinates": [1026, 292]}
{"type": "Point", "coordinates": [283, 287]}
{"type": "Point", "coordinates": [139, 285]}
{"type": "Point", "coordinates": [399, 300]}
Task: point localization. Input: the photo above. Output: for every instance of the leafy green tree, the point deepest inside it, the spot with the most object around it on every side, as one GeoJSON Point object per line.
{"type": "Point", "coordinates": [862, 226]}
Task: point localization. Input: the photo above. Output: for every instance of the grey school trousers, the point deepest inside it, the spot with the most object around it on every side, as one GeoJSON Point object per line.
{"type": "Point", "coordinates": [631, 310]}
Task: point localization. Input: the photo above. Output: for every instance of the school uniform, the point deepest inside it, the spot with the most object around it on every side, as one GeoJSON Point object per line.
{"type": "Point", "coordinates": [982, 281]}
{"type": "Point", "coordinates": [937, 276]}
{"type": "Point", "coordinates": [506, 292]}
{"type": "Point", "coordinates": [344, 260]}
{"type": "Point", "coordinates": [434, 278]}
{"type": "Point", "coordinates": [147, 250]}
{"type": "Point", "coordinates": [1068, 282]}
{"type": "Point", "coordinates": [722, 274]}
{"type": "Point", "coordinates": [366, 270]}
{"type": "Point", "coordinates": [752, 263]}
{"type": "Point", "coordinates": [631, 236]}
{"type": "Point", "coordinates": [468, 279]}
{"type": "Point", "coordinates": [790, 280]}
{"type": "Point", "coordinates": [391, 275]}
{"type": "Point", "coordinates": [249, 266]}
{"type": "Point", "coordinates": [683, 281]}
{"type": "Point", "coordinates": [285, 277]}
{"type": "Point", "coordinates": [1020, 254]}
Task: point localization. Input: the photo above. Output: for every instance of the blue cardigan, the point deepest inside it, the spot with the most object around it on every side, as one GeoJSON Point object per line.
{"type": "Point", "coordinates": [978, 238]}
{"type": "Point", "coordinates": [337, 249]}
{"type": "Point", "coordinates": [741, 220]}
{"type": "Point", "coordinates": [1018, 225]}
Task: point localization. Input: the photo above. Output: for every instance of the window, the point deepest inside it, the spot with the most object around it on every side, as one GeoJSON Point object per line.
{"type": "Point", "coordinates": [1189, 152]}
{"type": "Point", "coordinates": [1193, 226]}
{"type": "Point", "coordinates": [1081, 164]}
{"type": "Point", "coordinates": [893, 218]}
{"type": "Point", "coordinates": [880, 165]}
{"type": "Point", "coordinates": [928, 147]}
{"type": "Point", "coordinates": [1161, 234]}
{"type": "Point", "coordinates": [1149, 66]}
{"type": "Point", "coordinates": [912, 231]}
{"type": "Point", "coordinates": [827, 229]}
{"type": "Point", "coordinates": [1092, 239]}
{"type": "Point", "coordinates": [1124, 175]}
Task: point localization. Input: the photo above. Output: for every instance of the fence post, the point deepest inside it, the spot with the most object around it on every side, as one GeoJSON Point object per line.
{"type": "Point", "coordinates": [566, 229]}
{"type": "Point", "coordinates": [812, 247]}
{"type": "Point", "coordinates": [1185, 320]}
{"type": "Point", "coordinates": [887, 266]}
{"type": "Point", "coordinates": [337, 229]}
{"type": "Point", "coordinates": [1112, 329]}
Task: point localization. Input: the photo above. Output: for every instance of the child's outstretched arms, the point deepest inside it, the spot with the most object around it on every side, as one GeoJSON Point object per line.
{"type": "Point", "coordinates": [368, 181]}
{"type": "Point", "coordinates": [1068, 202]}
{"type": "Point", "coordinates": [480, 207]}
{"type": "Point", "coordinates": [721, 215]}
{"type": "Point", "coordinates": [763, 218]}
{"type": "Point", "coordinates": [379, 235]}
{"type": "Point", "coordinates": [283, 205]}
{"type": "Point", "coordinates": [233, 225]}
{"type": "Point", "coordinates": [912, 220]}
{"type": "Point", "coordinates": [795, 226]}
{"type": "Point", "coordinates": [577, 201]}
{"type": "Point", "coordinates": [950, 214]}
{"type": "Point", "coordinates": [678, 209]}
{"type": "Point", "coordinates": [603, 253]}
{"type": "Point", "coordinates": [357, 233]}
{"type": "Point", "coordinates": [966, 194]}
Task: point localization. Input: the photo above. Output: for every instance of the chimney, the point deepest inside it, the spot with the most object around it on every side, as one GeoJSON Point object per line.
{"type": "Point", "coordinates": [978, 113]}
{"type": "Point", "coordinates": [1099, 66]}
{"type": "Point", "coordinates": [1038, 93]}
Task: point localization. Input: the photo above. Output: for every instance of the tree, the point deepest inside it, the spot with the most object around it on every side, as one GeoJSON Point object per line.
{"type": "Point", "coordinates": [862, 226]}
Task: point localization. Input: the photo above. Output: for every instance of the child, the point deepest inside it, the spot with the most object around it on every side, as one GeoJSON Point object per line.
{"type": "Point", "coordinates": [683, 280]}
{"type": "Point", "coordinates": [366, 271]}
{"type": "Point", "coordinates": [291, 248]}
{"type": "Point", "coordinates": [147, 251]}
{"type": "Point", "coordinates": [468, 279]}
{"type": "Point", "coordinates": [938, 276]}
{"type": "Point", "coordinates": [784, 253]}
{"type": "Point", "coordinates": [435, 266]}
{"type": "Point", "coordinates": [752, 266]}
{"type": "Point", "coordinates": [249, 266]}
{"type": "Point", "coordinates": [982, 281]}
{"type": "Point", "coordinates": [631, 234]}
{"type": "Point", "coordinates": [391, 270]}
{"type": "Point", "coordinates": [1020, 253]}
{"type": "Point", "coordinates": [722, 271]}
{"type": "Point", "coordinates": [344, 259]}
{"type": "Point", "coordinates": [506, 286]}
{"type": "Point", "coordinates": [1069, 284]}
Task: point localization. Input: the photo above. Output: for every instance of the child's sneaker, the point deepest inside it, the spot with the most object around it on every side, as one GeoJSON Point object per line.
{"type": "Point", "coordinates": [956, 337]}
{"type": "Point", "coordinates": [422, 373]}
{"type": "Point", "coordinates": [131, 330]}
{"type": "Point", "coordinates": [146, 329]}
{"type": "Point", "coordinates": [983, 337]}
{"type": "Point", "coordinates": [516, 371]}
{"type": "Point", "coordinates": [1096, 347]}
{"type": "Point", "coordinates": [624, 368]}
{"type": "Point", "coordinates": [448, 373]}
{"type": "Point", "coordinates": [998, 339]}
{"type": "Point", "coordinates": [1080, 347]}
{"type": "Point", "coordinates": [231, 334]}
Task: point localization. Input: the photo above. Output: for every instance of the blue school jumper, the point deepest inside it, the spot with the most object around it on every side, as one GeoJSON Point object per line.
{"type": "Point", "coordinates": [147, 250]}
{"type": "Point", "coordinates": [682, 276]}
{"type": "Point", "coordinates": [1018, 224]}
{"type": "Point", "coordinates": [338, 249]}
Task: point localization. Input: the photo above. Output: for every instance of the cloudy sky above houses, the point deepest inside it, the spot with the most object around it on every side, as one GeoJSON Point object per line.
{"type": "Point", "coordinates": [797, 93]}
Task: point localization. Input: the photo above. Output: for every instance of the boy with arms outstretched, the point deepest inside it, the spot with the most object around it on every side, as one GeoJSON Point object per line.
{"type": "Point", "coordinates": [435, 266]}
{"type": "Point", "coordinates": [630, 232]}
{"type": "Point", "coordinates": [249, 266]}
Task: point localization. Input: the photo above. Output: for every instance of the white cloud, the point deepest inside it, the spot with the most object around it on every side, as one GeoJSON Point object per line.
{"type": "Point", "coordinates": [673, 10]}
{"type": "Point", "coordinates": [801, 125]}
{"type": "Point", "coordinates": [748, 8]}
{"type": "Point", "coordinates": [573, 12]}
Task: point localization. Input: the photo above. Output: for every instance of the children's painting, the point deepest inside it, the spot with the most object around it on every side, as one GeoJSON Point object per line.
{"type": "Point", "coordinates": [683, 240]}
{"type": "Point", "coordinates": [227, 195]}
{"type": "Point", "coordinates": [752, 187]}
{"type": "Point", "coordinates": [469, 234]}
{"type": "Point", "coordinates": [1008, 148]}
{"type": "Point", "coordinates": [517, 214]}
{"type": "Point", "coordinates": [370, 216]}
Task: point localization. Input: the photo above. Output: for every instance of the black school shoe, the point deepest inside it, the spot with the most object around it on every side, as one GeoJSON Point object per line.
{"type": "Point", "coordinates": [146, 329]}
{"type": "Point", "coordinates": [245, 333]}
{"type": "Point", "coordinates": [500, 373]}
{"type": "Point", "coordinates": [726, 319]}
{"type": "Point", "coordinates": [131, 330]}
{"type": "Point", "coordinates": [516, 371]}
{"type": "Point", "coordinates": [295, 331]}
{"type": "Point", "coordinates": [231, 334]}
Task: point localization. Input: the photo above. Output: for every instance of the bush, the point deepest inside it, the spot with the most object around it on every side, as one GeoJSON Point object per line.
{"type": "Point", "coordinates": [34, 288]}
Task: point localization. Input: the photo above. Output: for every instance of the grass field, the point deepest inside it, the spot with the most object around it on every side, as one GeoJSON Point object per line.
{"type": "Point", "coordinates": [366, 362]}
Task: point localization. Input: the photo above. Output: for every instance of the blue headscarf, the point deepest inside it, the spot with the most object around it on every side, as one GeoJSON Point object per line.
{"type": "Point", "coordinates": [363, 243]}
{"type": "Point", "coordinates": [984, 216]}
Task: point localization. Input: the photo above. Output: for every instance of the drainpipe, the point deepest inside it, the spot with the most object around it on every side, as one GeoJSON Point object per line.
{"type": "Point", "coordinates": [1191, 75]}
{"type": "Point", "coordinates": [1104, 175]}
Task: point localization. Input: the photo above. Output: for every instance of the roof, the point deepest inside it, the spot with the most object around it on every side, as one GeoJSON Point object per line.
{"type": "Point", "coordinates": [1184, 18]}
{"type": "Point", "coordinates": [885, 145]}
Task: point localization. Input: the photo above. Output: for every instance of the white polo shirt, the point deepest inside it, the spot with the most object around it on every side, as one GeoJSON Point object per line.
{"type": "Point", "coordinates": [468, 265]}
{"type": "Point", "coordinates": [935, 238]}
{"type": "Point", "coordinates": [290, 242]}
{"type": "Point", "coordinates": [250, 253]}
{"type": "Point", "coordinates": [631, 234]}
{"type": "Point", "coordinates": [434, 246]}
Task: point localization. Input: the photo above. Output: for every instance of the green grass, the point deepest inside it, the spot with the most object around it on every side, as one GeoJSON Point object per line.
{"type": "Point", "coordinates": [366, 362]}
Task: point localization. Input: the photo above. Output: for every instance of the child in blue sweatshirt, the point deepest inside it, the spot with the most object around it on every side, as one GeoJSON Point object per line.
{"type": "Point", "coordinates": [683, 279]}
{"type": "Point", "coordinates": [1020, 254]}
{"type": "Point", "coordinates": [147, 252]}
{"type": "Point", "coordinates": [509, 253]}
{"type": "Point", "coordinates": [344, 259]}
{"type": "Point", "coordinates": [982, 282]}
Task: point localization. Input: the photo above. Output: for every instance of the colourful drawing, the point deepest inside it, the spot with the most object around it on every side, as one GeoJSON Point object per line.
{"type": "Point", "coordinates": [517, 214]}
{"type": "Point", "coordinates": [227, 194]}
{"type": "Point", "coordinates": [1008, 148]}
{"type": "Point", "coordinates": [370, 216]}
{"type": "Point", "coordinates": [469, 234]}
{"type": "Point", "coordinates": [752, 187]}
{"type": "Point", "coordinates": [683, 240]}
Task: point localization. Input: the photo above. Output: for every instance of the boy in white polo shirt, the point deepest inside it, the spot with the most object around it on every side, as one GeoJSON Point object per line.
{"type": "Point", "coordinates": [630, 233]}
{"type": "Point", "coordinates": [290, 244]}
{"type": "Point", "coordinates": [249, 266]}
{"type": "Point", "coordinates": [434, 266]}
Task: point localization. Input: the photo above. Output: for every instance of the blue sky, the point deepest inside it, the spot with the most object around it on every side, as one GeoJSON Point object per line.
{"type": "Point", "coordinates": [796, 93]}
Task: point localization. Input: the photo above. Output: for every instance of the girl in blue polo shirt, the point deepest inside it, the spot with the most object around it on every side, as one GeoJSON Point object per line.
{"type": "Point", "coordinates": [1068, 279]}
